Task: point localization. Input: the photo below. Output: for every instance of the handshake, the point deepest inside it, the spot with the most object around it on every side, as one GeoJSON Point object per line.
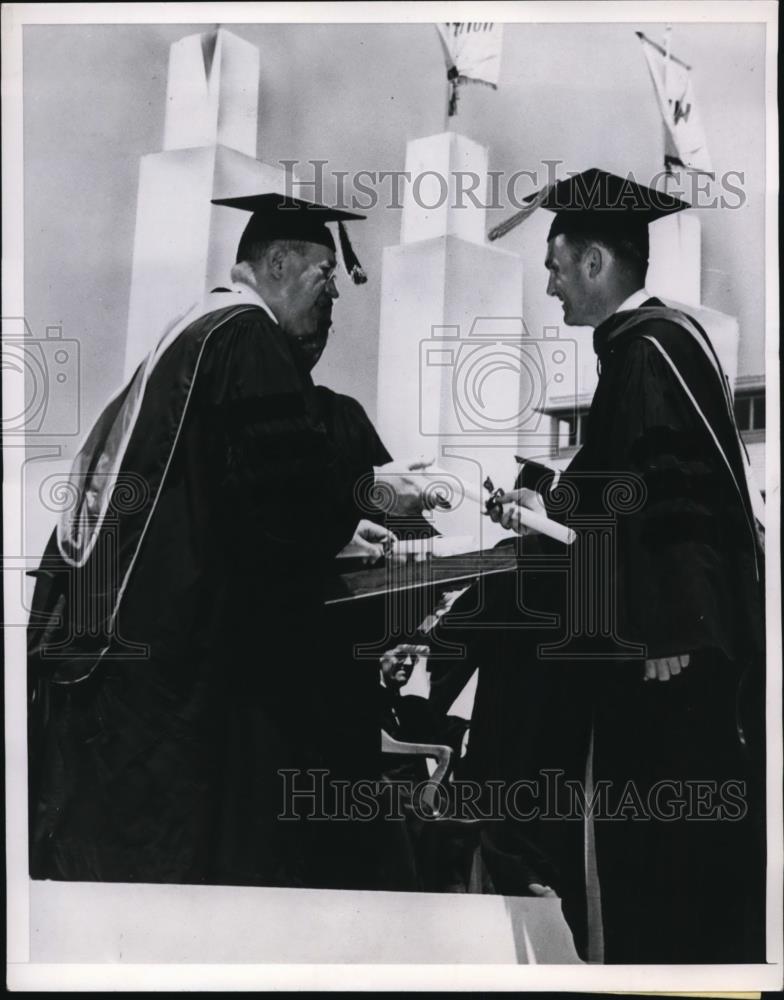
{"type": "Point", "coordinates": [400, 489]}
{"type": "Point", "coordinates": [403, 489]}
{"type": "Point", "coordinates": [406, 489]}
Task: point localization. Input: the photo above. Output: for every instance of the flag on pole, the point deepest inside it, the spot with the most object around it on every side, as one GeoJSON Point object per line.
{"type": "Point", "coordinates": [685, 143]}
{"type": "Point", "coordinates": [472, 50]}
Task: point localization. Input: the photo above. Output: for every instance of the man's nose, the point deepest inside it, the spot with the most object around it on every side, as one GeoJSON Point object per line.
{"type": "Point", "coordinates": [332, 289]}
{"type": "Point", "coordinates": [550, 285]}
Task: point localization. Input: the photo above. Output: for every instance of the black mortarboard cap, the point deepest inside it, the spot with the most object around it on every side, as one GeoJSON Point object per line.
{"type": "Point", "coordinates": [282, 217]}
{"type": "Point", "coordinates": [596, 203]}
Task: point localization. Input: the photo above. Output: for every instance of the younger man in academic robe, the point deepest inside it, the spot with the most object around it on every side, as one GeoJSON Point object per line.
{"type": "Point", "coordinates": [654, 674]}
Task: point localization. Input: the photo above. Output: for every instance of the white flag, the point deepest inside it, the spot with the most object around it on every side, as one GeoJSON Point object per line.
{"type": "Point", "coordinates": [686, 144]}
{"type": "Point", "coordinates": [472, 50]}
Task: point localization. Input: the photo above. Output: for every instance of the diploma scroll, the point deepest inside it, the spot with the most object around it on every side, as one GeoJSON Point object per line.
{"type": "Point", "coordinates": [531, 519]}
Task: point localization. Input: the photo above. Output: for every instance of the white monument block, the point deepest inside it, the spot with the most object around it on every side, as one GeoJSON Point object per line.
{"type": "Point", "coordinates": [450, 325]}
{"type": "Point", "coordinates": [212, 94]}
{"type": "Point", "coordinates": [170, 244]}
{"type": "Point", "coordinates": [453, 355]}
{"type": "Point", "coordinates": [448, 175]}
{"type": "Point", "coordinates": [675, 258]}
{"type": "Point", "coordinates": [184, 245]}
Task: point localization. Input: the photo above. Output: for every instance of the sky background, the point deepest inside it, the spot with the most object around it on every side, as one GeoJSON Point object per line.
{"type": "Point", "coordinates": [94, 101]}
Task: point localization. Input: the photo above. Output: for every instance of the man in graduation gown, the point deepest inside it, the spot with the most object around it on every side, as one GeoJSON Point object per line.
{"type": "Point", "coordinates": [177, 638]}
{"type": "Point", "coordinates": [651, 680]}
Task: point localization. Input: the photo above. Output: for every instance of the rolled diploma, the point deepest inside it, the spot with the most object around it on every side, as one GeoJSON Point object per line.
{"type": "Point", "coordinates": [538, 522]}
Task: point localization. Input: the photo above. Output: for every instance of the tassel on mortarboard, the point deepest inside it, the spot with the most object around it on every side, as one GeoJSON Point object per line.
{"type": "Point", "coordinates": [595, 203]}
{"type": "Point", "coordinates": [350, 259]}
{"type": "Point", "coordinates": [513, 221]}
{"type": "Point", "coordinates": [454, 81]}
{"type": "Point", "coordinates": [276, 216]}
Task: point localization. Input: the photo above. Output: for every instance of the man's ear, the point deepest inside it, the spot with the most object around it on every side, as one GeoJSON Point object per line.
{"type": "Point", "coordinates": [593, 261]}
{"type": "Point", "coordinates": [244, 273]}
{"type": "Point", "coordinates": [274, 261]}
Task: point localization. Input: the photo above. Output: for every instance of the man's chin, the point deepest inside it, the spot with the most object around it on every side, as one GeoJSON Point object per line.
{"type": "Point", "coordinates": [569, 318]}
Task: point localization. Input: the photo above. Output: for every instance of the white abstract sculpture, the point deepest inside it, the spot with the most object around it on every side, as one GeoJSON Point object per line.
{"type": "Point", "coordinates": [451, 372]}
{"type": "Point", "coordinates": [184, 245]}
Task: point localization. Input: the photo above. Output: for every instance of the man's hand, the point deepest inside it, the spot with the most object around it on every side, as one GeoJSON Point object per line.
{"type": "Point", "coordinates": [370, 542]}
{"type": "Point", "coordinates": [537, 889]}
{"type": "Point", "coordinates": [665, 668]}
{"type": "Point", "coordinates": [402, 488]}
{"type": "Point", "coordinates": [508, 513]}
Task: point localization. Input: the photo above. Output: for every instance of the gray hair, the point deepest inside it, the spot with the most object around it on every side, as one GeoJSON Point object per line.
{"type": "Point", "coordinates": [253, 250]}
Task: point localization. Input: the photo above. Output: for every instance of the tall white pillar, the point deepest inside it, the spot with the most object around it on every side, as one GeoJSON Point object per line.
{"type": "Point", "coordinates": [674, 275]}
{"type": "Point", "coordinates": [676, 258]}
{"type": "Point", "coordinates": [453, 356]}
{"type": "Point", "coordinates": [184, 245]}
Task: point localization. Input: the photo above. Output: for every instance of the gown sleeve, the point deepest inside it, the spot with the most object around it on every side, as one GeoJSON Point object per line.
{"type": "Point", "coordinates": [359, 430]}
{"type": "Point", "coordinates": [285, 490]}
{"type": "Point", "coordinates": [674, 580]}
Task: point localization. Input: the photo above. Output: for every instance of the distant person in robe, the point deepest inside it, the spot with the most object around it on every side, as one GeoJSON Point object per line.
{"type": "Point", "coordinates": [177, 636]}
{"type": "Point", "coordinates": [411, 718]}
{"type": "Point", "coordinates": [664, 702]}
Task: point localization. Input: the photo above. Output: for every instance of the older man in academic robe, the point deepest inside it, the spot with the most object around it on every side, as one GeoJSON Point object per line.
{"type": "Point", "coordinates": [178, 639]}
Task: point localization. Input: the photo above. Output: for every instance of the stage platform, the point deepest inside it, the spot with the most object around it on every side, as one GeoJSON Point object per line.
{"type": "Point", "coordinates": [141, 924]}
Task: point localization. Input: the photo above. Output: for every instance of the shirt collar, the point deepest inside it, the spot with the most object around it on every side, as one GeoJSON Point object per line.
{"type": "Point", "coordinates": [634, 301]}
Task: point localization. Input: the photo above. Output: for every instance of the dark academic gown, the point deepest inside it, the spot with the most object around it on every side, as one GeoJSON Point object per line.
{"type": "Point", "coordinates": [351, 430]}
{"type": "Point", "coordinates": [191, 662]}
{"type": "Point", "coordinates": [666, 562]}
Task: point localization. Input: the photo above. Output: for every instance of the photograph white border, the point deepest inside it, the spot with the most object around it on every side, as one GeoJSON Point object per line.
{"type": "Point", "coordinates": [24, 975]}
